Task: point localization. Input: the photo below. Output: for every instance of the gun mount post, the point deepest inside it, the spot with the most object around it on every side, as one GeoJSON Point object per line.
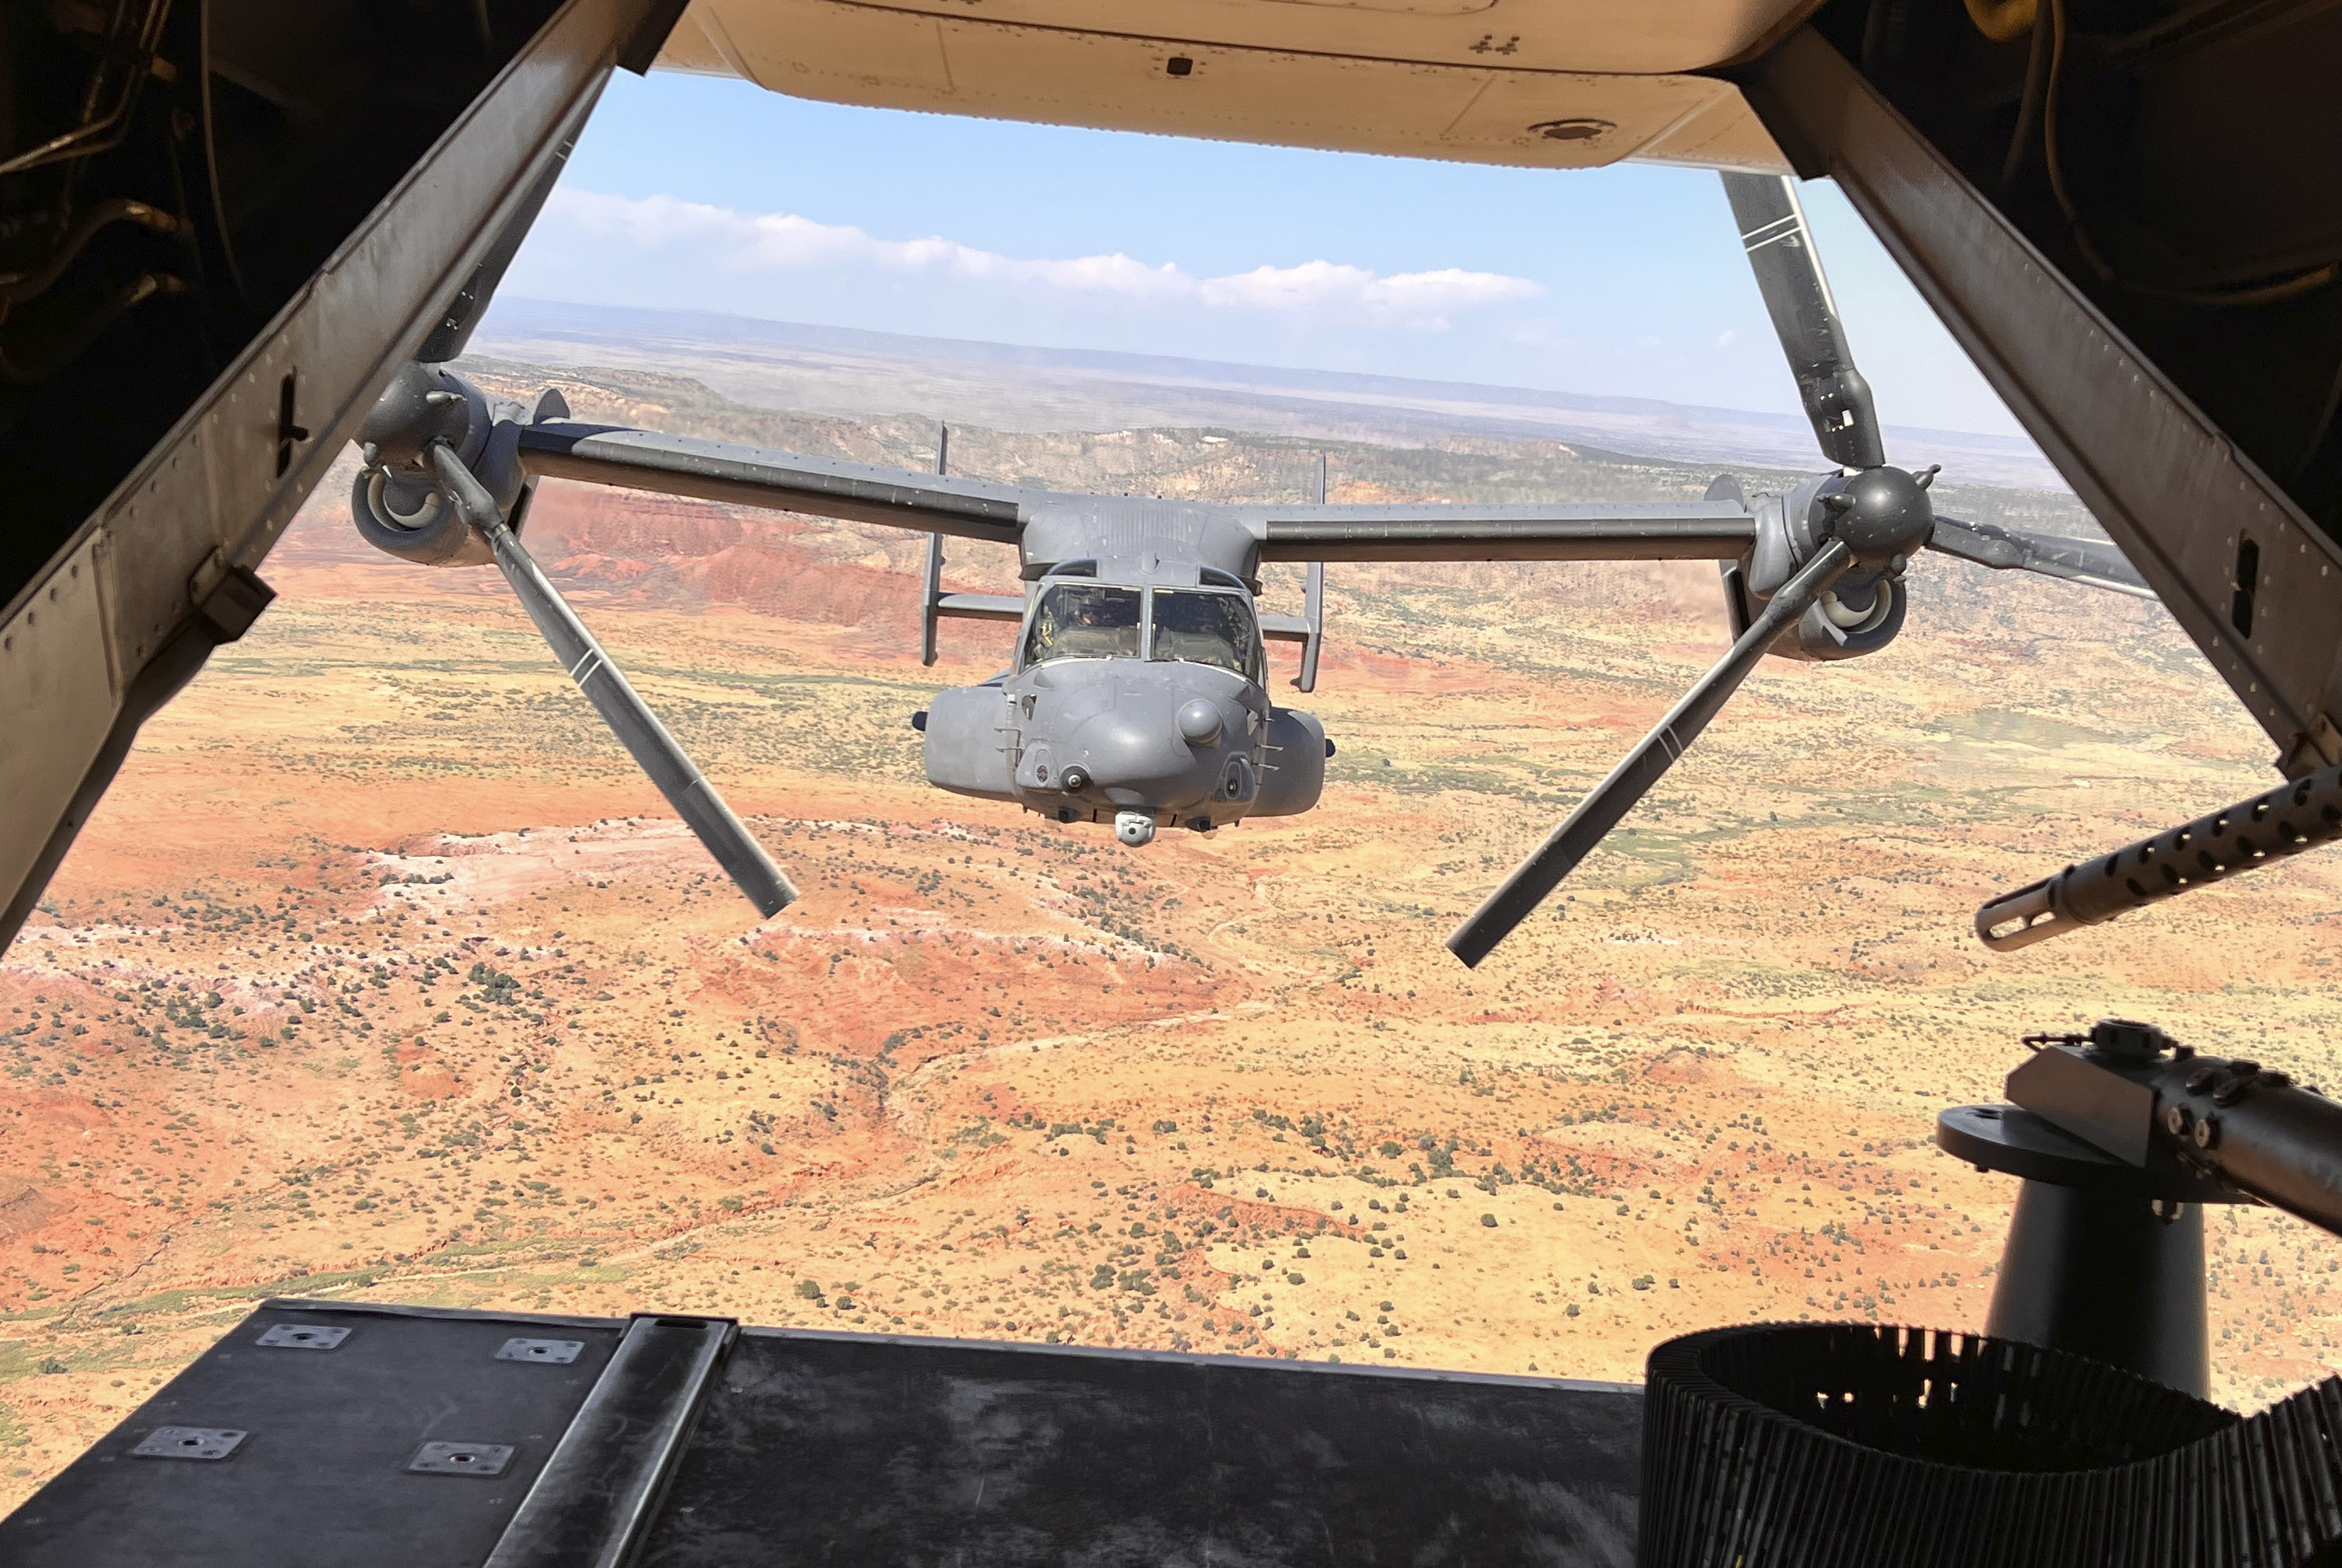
{"type": "Point", "coordinates": [2121, 1136]}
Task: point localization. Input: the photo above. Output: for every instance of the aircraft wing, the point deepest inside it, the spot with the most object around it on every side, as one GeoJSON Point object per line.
{"type": "Point", "coordinates": [1432, 531]}
{"type": "Point", "coordinates": [981, 606]}
{"type": "Point", "coordinates": [783, 480]}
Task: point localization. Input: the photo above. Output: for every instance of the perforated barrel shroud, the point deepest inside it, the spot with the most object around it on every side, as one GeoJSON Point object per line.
{"type": "Point", "coordinates": [1796, 1445]}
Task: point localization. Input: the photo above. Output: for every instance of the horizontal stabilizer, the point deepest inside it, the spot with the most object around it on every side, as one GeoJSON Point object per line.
{"type": "Point", "coordinates": [981, 606]}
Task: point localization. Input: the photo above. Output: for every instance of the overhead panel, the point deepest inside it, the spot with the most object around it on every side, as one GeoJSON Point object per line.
{"type": "Point", "coordinates": [1314, 80]}
{"type": "Point", "coordinates": [1602, 38]}
{"type": "Point", "coordinates": [1404, 7]}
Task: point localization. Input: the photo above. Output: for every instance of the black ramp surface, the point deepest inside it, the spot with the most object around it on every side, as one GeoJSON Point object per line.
{"type": "Point", "coordinates": [866, 1450]}
{"type": "Point", "coordinates": [321, 1481]}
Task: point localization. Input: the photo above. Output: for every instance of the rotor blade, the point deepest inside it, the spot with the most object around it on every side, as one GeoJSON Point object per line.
{"type": "Point", "coordinates": [1797, 296]}
{"type": "Point", "coordinates": [694, 798]}
{"type": "Point", "coordinates": [2005, 549]}
{"type": "Point", "coordinates": [783, 480]}
{"type": "Point", "coordinates": [1641, 768]}
{"type": "Point", "coordinates": [1466, 531]}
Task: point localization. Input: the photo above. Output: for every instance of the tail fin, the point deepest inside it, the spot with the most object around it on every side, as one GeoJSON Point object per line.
{"type": "Point", "coordinates": [1307, 628]}
{"type": "Point", "coordinates": [1737, 607]}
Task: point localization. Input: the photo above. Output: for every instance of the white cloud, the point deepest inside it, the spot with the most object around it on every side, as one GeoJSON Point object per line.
{"type": "Point", "coordinates": [742, 243]}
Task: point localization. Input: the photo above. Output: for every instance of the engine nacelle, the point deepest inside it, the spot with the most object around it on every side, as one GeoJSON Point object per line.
{"type": "Point", "coordinates": [1295, 774]}
{"type": "Point", "coordinates": [964, 727]}
{"type": "Point", "coordinates": [1861, 613]}
{"type": "Point", "coordinates": [1853, 619]}
{"type": "Point", "coordinates": [396, 502]}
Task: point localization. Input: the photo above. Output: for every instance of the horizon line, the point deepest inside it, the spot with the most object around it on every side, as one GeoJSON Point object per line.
{"type": "Point", "coordinates": [1608, 401]}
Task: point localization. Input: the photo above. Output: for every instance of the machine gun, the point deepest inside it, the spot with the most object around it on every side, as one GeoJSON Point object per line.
{"type": "Point", "coordinates": [2075, 1429]}
{"type": "Point", "coordinates": [2121, 1137]}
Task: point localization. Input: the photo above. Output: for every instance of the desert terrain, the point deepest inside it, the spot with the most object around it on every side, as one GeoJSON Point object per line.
{"type": "Point", "coordinates": [861, 375]}
{"type": "Point", "coordinates": [382, 974]}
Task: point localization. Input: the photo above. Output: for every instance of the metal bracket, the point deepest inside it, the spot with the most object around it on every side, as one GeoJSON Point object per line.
{"type": "Point", "coordinates": [552, 1351]}
{"type": "Point", "coordinates": [481, 1459]}
{"type": "Point", "coordinates": [303, 1336]}
{"type": "Point", "coordinates": [190, 1442]}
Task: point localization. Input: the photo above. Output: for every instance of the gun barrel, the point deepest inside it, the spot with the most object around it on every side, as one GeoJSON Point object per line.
{"type": "Point", "coordinates": [2269, 827]}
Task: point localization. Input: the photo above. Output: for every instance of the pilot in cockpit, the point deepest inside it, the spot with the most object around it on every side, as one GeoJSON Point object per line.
{"type": "Point", "coordinates": [1085, 621]}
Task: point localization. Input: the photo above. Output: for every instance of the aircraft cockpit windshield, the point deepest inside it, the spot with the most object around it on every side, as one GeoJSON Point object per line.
{"type": "Point", "coordinates": [1206, 628]}
{"type": "Point", "coordinates": [1104, 621]}
{"type": "Point", "coordinates": [1085, 621]}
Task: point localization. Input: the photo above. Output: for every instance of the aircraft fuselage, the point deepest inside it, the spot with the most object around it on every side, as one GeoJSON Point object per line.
{"type": "Point", "coordinates": [1138, 693]}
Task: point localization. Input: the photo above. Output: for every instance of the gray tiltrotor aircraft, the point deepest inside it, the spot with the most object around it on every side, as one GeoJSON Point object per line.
{"type": "Point", "coordinates": [1139, 692]}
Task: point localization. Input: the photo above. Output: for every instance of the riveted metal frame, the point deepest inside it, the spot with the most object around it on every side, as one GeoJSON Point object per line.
{"type": "Point", "coordinates": [2169, 487]}
{"type": "Point", "coordinates": [210, 498]}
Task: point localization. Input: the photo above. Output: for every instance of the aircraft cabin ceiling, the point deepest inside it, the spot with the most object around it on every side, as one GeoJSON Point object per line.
{"type": "Point", "coordinates": [1552, 83]}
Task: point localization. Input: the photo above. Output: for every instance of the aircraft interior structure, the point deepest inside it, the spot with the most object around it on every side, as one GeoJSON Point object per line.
{"type": "Point", "coordinates": [227, 226]}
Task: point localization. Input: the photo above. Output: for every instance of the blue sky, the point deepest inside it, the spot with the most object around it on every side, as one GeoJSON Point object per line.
{"type": "Point", "coordinates": [711, 195]}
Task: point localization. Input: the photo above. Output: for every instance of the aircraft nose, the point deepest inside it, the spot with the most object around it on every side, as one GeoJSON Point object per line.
{"type": "Point", "coordinates": [1152, 749]}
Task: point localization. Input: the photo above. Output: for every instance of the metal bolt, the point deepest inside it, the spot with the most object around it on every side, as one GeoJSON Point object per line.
{"type": "Point", "coordinates": [2207, 1132]}
{"type": "Point", "coordinates": [2178, 1120]}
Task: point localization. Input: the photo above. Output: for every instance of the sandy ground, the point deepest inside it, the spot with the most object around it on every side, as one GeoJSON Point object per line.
{"type": "Point", "coordinates": [380, 974]}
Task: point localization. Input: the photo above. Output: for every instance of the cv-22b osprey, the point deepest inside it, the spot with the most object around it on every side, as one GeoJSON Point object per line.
{"type": "Point", "coordinates": [1138, 692]}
